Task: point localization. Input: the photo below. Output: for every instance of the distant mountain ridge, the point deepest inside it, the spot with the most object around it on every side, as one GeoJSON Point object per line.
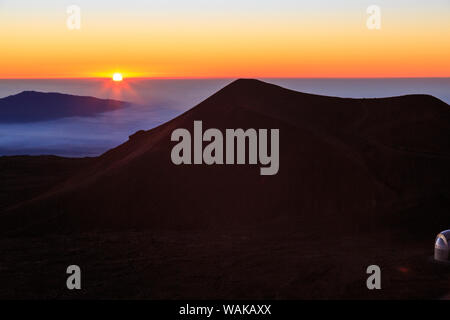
{"type": "Point", "coordinates": [33, 106]}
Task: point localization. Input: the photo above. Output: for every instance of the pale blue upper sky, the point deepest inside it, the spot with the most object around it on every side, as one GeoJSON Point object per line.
{"type": "Point", "coordinates": [200, 6]}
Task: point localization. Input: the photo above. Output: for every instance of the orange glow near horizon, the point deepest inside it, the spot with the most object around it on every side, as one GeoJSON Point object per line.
{"type": "Point", "coordinates": [299, 44]}
{"type": "Point", "coordinates": [118, 90]}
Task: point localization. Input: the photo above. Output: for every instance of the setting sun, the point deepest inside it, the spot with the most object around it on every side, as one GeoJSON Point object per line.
{"type": "Point", "coordinates": [117, 77]}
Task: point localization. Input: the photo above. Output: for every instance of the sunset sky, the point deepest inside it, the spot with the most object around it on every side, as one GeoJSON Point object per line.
{"type": "Point", "coordinates": [225, 38]}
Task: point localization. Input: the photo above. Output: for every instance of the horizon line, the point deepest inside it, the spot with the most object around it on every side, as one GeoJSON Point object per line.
{"type": "Point", "coordinates": [222, 77]}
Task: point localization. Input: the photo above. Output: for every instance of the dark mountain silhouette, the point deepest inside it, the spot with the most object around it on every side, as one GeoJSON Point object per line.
{"type": "Point", "coordinates": [31, 106]}
{"type": "Point", "coordinates": [345, 162]}
{"type": "Point", "coordinates": [361, 181]}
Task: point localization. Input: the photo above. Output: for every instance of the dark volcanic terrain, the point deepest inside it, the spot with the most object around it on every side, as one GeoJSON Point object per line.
{"type": "Point", "coordinates": [361, 182]}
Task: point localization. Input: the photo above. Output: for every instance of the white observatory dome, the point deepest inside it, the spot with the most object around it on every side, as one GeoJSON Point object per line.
{"type": "Point", "coordinates": [442, 246]}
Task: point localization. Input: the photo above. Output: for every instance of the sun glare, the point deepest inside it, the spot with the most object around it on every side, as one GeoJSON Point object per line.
{"type": "Point", "coordinates": [117, 77]}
